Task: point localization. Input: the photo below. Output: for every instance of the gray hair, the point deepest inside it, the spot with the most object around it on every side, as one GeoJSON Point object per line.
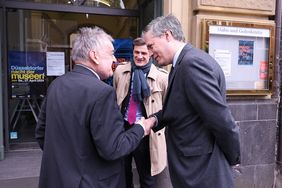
{"type": "Point", "coordinates": [86, 40]}
{"type": "Point", "coordinates": [161, 24]}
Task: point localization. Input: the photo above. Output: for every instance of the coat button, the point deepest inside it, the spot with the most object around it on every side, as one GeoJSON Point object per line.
{"type": "Point", "coordinates": [153, 100]}
{"type": "Point", "coordinates": [159, 134]}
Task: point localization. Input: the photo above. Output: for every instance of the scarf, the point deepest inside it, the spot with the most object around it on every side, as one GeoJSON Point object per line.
{"type": "Point", "coordinates": [141, 88]}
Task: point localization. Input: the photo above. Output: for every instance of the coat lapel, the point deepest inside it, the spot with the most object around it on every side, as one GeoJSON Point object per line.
{"type": "Point", "coordinates": [179, 60]}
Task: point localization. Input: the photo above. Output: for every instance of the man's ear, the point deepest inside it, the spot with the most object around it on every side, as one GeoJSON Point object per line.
{"type": "Point", "coordinates": [168, 35]}
{"type": "Point", "coordinates": [93, 56]}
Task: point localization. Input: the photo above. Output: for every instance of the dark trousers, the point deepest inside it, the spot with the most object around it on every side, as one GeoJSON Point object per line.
{"type": "Point", "coordinates": [141, 157]}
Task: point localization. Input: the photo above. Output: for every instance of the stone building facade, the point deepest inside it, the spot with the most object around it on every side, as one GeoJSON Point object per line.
{"type": "Point", "coordinates": [257, 116]}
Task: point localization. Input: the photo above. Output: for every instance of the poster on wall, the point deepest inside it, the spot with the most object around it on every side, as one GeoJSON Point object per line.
{"type": "Point", "coordinates": [27, 71]}
{"type": "Point", "coordinates": [55, 63]}
{"type": "Point", "coordinates": [246, 52]}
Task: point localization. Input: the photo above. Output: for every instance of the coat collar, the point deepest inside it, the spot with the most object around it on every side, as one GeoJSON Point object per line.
{"type": "Point", "coordinates": [84, 70]}
{"type": "Point", "coordinates": [186, 48]}
{"type": "Point", "coordinates": [179, 60]}
{"type": "Point", "coordinates": [153, 73]}
{"type": "Point", "coordinates": [182, 53]}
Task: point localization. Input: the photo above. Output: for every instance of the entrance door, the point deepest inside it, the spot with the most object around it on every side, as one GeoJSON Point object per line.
{"type": "Point", "coordinates": [38, 51]}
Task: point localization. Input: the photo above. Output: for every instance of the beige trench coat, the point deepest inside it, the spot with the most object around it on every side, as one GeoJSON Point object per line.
{"type": "Point", "coordinates": [157, 80]}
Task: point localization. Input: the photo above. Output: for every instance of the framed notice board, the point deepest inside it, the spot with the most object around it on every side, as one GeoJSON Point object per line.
{"type": "Point", "coordinates": [245, 52]}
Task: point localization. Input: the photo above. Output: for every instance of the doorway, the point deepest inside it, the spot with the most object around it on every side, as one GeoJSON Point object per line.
{"type": "Point", "coordinates": [35, 36]}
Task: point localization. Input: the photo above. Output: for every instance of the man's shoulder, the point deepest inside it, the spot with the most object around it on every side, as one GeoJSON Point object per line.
{"type": "Point", "coordinates": [162, 70]}
{"type": "Point", "coordinates": [162, 74]}
{"type": "Point", "coordinates": [159, 69]}
{"type": "Point", "coordinates": [159, 74]}
{"type": "Point", "coordinates": [123, 67]}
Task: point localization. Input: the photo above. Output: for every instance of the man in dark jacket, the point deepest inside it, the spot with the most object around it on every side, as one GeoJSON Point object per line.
{"type": "Point", "coordinates": [80, 127]}
{"type": "Point", "coordinates": [202, 137]}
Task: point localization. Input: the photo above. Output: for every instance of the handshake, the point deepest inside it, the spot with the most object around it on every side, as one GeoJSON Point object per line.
{"type": "Point", "coordinates": [147, 124]}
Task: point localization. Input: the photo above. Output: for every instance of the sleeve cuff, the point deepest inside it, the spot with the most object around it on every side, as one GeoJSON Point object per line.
{"type": "Point", "coordinates": [156, 122]}
{"type": "Point", "coordinates": [142, 125]}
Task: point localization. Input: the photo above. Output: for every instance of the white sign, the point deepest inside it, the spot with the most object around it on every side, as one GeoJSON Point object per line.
{"type": "Point", "coordinates": [223, 58]}
{"type": "Point", "coordinates": [239, 31]}
{"type": "Point", "coordinates": [55, 62]}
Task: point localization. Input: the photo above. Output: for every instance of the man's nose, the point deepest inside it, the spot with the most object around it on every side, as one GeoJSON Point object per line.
{"type": "Point", "coordinates": [114, 59]}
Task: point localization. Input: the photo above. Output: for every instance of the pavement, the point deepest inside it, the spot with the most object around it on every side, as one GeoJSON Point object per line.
{"type": "Point", "coordinates": [20, 169]}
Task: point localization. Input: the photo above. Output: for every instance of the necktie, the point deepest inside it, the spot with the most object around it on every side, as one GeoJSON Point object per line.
{"type": "Point", "coordinates": [132, 109]}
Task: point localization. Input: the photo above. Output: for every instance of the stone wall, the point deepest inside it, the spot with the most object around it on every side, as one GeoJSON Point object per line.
{"type": "Point", "coordinates": [257, 121]}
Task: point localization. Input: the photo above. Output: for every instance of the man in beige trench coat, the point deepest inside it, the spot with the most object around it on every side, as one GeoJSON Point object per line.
{"type": "Point", "coordinates": [143, 81]}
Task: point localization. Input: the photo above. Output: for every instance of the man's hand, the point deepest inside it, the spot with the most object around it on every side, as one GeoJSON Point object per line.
{"type": "Point", "coordinates": [147, 124]}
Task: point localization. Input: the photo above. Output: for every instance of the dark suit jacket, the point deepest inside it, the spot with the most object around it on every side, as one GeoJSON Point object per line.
{"type": "Point", "coordinates": [202, 137]}
{"type": "Point", "coordinates": [81, 132]}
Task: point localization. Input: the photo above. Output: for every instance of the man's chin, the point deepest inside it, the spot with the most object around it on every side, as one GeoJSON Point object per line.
{"type": "Point", "coordinates": [161, 63]}
{"type": "Point", "coordinates": [140, 64]}
{"type": "Point", "coordinates": [105, 77]}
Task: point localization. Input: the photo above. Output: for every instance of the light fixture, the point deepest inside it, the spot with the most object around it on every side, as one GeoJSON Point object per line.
{"type": "Point", "coordinates": [105, 2]}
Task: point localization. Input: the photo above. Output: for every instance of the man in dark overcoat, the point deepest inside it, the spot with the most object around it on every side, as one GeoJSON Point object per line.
{"type": "Point", "coordinates": [202, 137]}
{"type": "Point", "coordinates": [80, 127]}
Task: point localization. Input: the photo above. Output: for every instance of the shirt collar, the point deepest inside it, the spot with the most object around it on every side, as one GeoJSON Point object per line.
{"type": "Point", "coordinates": [176, 55]}
{"type": "Point", "coordinates": [90, 70]}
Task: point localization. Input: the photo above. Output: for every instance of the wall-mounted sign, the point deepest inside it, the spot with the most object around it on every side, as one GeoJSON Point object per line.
{"type": "Point", "coordinates": [55, 63]}
{"type": "Point", "coordinates": [245, 53]}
